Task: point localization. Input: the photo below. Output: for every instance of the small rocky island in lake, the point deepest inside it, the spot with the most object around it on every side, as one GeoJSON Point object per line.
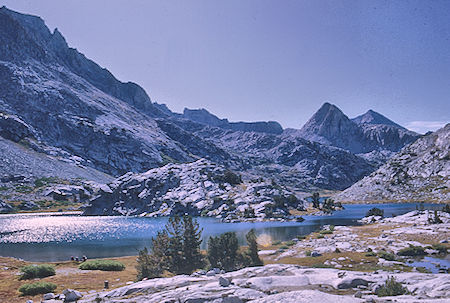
{"type": "Point", "coordinates": [79, 145]}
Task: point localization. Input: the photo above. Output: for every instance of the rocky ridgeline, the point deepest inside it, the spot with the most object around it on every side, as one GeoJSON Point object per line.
{"type": "Point", "coordinates": [56, 102]}
{"type": "Point", "coordinates": [197, 188]}
{"type": "Point", "coordinates": [419, 172]}
{"type": "Point", "coordinates": [278, 283]}
{"type": "Point", "coordinates": [205, 117]}
{"type": "Point", "coordinates": [363, 134]}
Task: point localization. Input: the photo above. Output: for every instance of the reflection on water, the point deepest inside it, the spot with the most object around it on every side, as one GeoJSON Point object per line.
{"type": "Point", "coordinates": [432, 264]}
{"type": "Point", "coordinates": [52, 237]}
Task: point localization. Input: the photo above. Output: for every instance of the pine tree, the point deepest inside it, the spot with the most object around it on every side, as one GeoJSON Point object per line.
{"type": "Point", "coordinates": [252, 251]}
{"type": "Point", "coordinates": [175, 249]}
{"type": "Point", "coordinates": [223, 251]}
{"type": "Point", "coordinates": [174, 252]}
{"type": "Point", "coordinates": [153, 265]}
{"type": "Point", "coordinates": [315, 200]}
{"type": "Point", "coordinates": [192, 256]}
{"type": "Point", "coordinates": [160, 247]}
{"type": "Point", "coordinates": [143, 264]}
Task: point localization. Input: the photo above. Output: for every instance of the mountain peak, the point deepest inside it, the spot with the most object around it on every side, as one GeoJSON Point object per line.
{"type": "Point", "coordinates": [372, 117]}
{"type": "Point", "coordinates": [327, 113]}
{"type": "Point", "coordinates": [329, 125]}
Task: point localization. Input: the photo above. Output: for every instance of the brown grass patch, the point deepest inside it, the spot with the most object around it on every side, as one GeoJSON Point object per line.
{"type": "Point", "coordinates": [67, 276]}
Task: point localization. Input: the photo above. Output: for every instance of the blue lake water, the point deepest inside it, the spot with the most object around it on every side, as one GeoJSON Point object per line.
{"type": "Point", "coordinates": [56, 237]}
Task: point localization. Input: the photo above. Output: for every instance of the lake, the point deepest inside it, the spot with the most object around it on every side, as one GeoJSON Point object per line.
{"type": "Point", "coordinates": [57, 237]}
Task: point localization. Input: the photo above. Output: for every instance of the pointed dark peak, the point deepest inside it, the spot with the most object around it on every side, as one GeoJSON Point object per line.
{"type": "Point", "coordinates": [327, 112]}
{"type": "Point", "coordinates": [372, 117]}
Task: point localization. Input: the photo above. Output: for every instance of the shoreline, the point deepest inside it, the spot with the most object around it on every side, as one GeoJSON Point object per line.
{"type": "Point", "coordinates": [313, 254]}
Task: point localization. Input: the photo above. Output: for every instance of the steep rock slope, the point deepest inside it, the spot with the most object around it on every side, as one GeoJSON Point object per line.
{"type": "Point", "coordinates": [196, 188]}
{"type": "Point", "coordinates": [73, 104]}
{"type": "Point", "coordinates": [292, 160]}
{"type": "Point", "coordinates": [18, 160]}
{"type": "Point", "coordinates": [364, 134]}
{"type": "Point", "coordinates": [419, 172]}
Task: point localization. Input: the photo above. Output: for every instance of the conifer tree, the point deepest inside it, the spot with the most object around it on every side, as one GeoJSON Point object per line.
{"type": "Point", "coordinates": [223, 251]}
{"type": "Point", "coordinates": [175, 231]}
{"type": "Point", "coordinates": [192, 256]}
{"type": "Point", "coordinates": [252, 251]}
{"type": "Point", "coordinates": [315, 200]}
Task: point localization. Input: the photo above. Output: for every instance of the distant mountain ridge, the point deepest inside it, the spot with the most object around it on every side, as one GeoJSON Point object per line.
{"type": "Point", "coordinates": [363, 134]}
{"type": "Point", "coordinates": [372, 117]}
{"type": "Point", "coordinates": [205, 117]}
{"type": "Point", "coordinates": [56, 102]}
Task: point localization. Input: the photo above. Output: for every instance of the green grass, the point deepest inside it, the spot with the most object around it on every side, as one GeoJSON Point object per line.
{"type": "Point", "coordinates": [36, 288]}
{"type": "Point", "coordinates": [284, 247]}
{"type": "Point", "coordinates": [276, 243]}
{"type": "Point", "coordinates": [105, 265]}
{"type": "Point", "coordinates": [320, 236]}
{"type": "Point", "coordinates": [36, 271]}
{"type": "Point", "coordinates": [326, 232]}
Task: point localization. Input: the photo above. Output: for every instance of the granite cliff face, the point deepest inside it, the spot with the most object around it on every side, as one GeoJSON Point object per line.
{"type": "Point", "coordinates": [197, 188]}
{"type": "Point", "coordinates": [419, 172]}
{"type": "Point", "coordinates": [70, 103]}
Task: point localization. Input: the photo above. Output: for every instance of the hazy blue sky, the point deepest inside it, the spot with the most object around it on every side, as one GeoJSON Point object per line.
{"type": "Point", "coordinates": [270, 60]}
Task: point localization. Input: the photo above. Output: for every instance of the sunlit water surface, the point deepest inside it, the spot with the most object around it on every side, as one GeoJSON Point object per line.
{"type": "Point", "coordinates": [56, 237]}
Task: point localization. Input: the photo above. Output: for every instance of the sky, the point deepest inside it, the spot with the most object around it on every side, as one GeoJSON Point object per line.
{"type": "Point", "coordinates": [258, 60]}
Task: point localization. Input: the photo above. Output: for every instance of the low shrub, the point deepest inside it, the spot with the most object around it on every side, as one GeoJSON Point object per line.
{"type": "Point", "coordinates": [423, 270]}
{"type": "Point", "coordinates": [446, 208]}
{"type": "Point", "coordinates": [276, 243]}
{"type": "Point", "coordinates": [36, 288]}
{"type": "Point", "coordinates": [308, 253]}
{"type": "Point", "coordinates": [370, 254]}
{"type": "Point", "coordinates": [301, 237]}
{"type": "Point", "coordinates": [105, 265]}
{"type": "Point", "coordinates": [326, 232]}
{"type": "Point", "coordinates": [412, 251]}
{"type": "Point", "coordinates": [289, 243]}
{"type": "Point", "coordinates": [387, 256]}
{"type": "Point", "coordinates": [284, 247]}
{"type": "Point", "coordinates": [392, 288]}
{"type": "Point", "coordinates": [36, 271]}
{"type": "Point", "coordinates": [320, 236]}
{"type": "Point", "coordinates": [375, 212]}
{"type": "Point", "coordinates": [440, 247]}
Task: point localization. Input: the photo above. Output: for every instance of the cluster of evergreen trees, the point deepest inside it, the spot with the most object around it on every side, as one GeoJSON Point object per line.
{"type": "Point", "coordinates": [176, 249]}
{"type": "Point", "coordinates": [223, 252]}
{"type": "Point", "coordinates": [328, 205]}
